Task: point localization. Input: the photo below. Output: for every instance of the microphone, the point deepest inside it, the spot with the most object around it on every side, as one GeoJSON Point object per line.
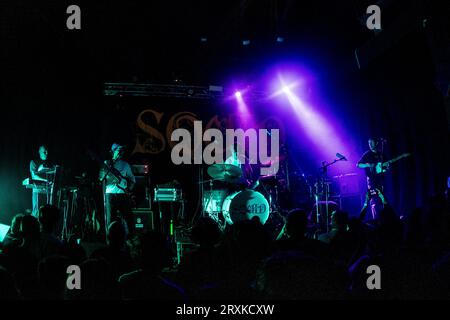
{"type": "Point", "coordinates": [341, 157]}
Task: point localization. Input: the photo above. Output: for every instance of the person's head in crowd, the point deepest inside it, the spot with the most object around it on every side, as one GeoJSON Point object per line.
{"type": "Point", "coordinates": [29, 228]}
{"type": "Point", "coordinates": [296, 223]}
{"type": "Point", "coordinates": [388, 216]}
{"type": "Point", "coordinates": [250, 239]}
{"type": "Point", "coordinates": [339, 220]}
{"type": "Point", "coordinates": [48, 218]}
{"type": "Point", "coordinates": [97, 282]}
{"type": "Point", "coordinates": [117, 234]}
{"type": "Point", "coordinates": [15, 225]}
{"type": "Point", "coordinates": [52, 275]}
{"type": "Point", "coordinates": [206, 232]}
{"type": "Point", "coordinates": [150, 251]}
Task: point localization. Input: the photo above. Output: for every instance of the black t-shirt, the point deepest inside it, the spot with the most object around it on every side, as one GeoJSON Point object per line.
{"type": "Point", "coordinates": [36, 164]}
{"type": "Point", "coordinates": [374, 180]}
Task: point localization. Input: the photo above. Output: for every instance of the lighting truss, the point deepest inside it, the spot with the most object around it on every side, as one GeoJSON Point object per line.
{"type": "Point", "coordinates": [174, 91]}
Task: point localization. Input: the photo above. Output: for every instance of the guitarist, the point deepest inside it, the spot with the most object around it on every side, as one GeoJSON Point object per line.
{"type": "Point", "coordinates": [375, 180]}
{"type": "Point", "coordinates": [119, 182]}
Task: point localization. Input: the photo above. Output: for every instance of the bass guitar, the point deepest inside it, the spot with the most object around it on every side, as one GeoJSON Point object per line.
{"type": "Point", "coordinates": [382, 167]}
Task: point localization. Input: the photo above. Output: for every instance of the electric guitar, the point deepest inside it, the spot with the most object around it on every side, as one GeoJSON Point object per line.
{"type": "Point", "coordinates": [382, 167]}
{"type": "Point", "coordinates": [113, 176]}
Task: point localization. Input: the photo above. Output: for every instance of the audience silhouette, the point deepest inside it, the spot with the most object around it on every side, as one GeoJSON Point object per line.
{"type": "Point", "coordinates": [243, 261]}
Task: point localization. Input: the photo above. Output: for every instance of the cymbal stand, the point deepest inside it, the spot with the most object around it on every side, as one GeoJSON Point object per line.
{"type": "Point", "coordinates": [316, 199]}
{"type": "Point", "coordinates": [200, 200]}
{"type": "Point", "coordinates": [210, 192]}
{"type": "Point", "coordinates": [288, 182]}
{"type": "Point", "coordinates": [52, 187]}
{"type": "Point", "coordinates": [103, 182]}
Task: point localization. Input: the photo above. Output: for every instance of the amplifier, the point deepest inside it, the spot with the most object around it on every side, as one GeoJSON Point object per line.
{"type": "Point", "coordinates": [167, 195]}
{"type": "Point", "coordinates": [140, 169]}
{"type": "Point", "coordinates": [349, 184]}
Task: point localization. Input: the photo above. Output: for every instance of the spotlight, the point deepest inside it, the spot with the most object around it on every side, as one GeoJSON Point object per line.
{"type": "Point", "coordinates": [286, 89]}
{"type": "Point", "coordinates": [280, 39]}
{"type": "Point", "coordinates": [238, 94]}
{"type": "Point", "coordinates": [245, 42]}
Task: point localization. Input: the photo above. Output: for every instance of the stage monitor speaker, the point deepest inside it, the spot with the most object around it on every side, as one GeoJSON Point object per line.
{"type": "Point", "coordinates": [143, 220]}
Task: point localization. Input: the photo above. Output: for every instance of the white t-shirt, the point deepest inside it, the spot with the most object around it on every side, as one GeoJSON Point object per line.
{"type": "Point", "coordinates": [125, 170]}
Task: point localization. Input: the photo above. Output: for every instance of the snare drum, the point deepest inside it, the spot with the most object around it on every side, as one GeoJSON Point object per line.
{"type": "Point", "coordinates": [244, 205]}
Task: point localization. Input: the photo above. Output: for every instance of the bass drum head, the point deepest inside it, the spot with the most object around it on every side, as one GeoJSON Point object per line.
{"type": "Point", "coordinates": [244, 205]}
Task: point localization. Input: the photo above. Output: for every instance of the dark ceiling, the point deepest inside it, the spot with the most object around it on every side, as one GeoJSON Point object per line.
{"type": "Point", "coordinates": [159, 41]}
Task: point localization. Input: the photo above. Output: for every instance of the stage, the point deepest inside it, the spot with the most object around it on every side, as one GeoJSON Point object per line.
{"type": "Point", "coordinates": [236, 135]}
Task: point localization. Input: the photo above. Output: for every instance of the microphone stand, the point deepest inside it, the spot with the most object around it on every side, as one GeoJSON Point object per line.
{"type": "Point", "coordinates": [324, 182]}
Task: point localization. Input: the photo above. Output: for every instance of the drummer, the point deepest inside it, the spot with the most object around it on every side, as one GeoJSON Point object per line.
{"type": "Point", "coordinates": [247, 179]}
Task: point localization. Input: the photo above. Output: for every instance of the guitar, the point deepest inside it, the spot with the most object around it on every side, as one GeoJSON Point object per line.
{"type": "Point", "coordinates": [382, 167]}
{"type": "Point", "coordinates": [118, 179]}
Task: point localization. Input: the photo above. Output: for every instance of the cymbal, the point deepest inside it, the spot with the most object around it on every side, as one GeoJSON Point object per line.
{"type": "Point", "coordinates": [352, 174]}
{"type": "Point", "coordinates": [278, 159]}
{"type": "Point", "coordinates": [225, 172]}
{"type": "Point", "coordinates": [268, 177]}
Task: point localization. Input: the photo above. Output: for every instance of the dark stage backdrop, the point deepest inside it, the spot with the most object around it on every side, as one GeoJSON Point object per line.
{"type": "Point", "coordinates": [399, 100]}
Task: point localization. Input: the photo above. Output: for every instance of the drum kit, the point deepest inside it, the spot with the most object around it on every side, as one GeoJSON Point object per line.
{"type": "Point", "coordinates": [230, 198]}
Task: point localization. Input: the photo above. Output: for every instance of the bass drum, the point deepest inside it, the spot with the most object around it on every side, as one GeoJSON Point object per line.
{"type": "Point", "coordinates": [244, 205]}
